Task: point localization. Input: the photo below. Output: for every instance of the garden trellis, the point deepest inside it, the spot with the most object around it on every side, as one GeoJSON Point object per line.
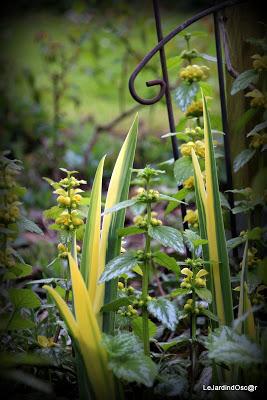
{"type": "Point", "coordinates": [221, 41]}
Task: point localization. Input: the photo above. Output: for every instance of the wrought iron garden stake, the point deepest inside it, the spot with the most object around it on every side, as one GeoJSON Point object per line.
{"type": "Point", "coordinates": [164, 83]}
{"type": "Point", "coordinates": [225, 126]}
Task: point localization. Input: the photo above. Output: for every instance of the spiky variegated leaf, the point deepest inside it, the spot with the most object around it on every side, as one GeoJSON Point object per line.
{"type": "Point", "coordinates": [91, 241]}
{"type": "Point", "coordinates": [212, 227]}
{"type": "Point", "coordinates": [86, 334]}
{"type": "Point", "coordinates": [246, 326]}
{"type": "Point", "coordinates": [110, 242]}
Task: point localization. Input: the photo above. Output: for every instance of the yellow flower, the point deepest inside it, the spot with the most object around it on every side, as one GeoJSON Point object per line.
{"type": "Point", "coordinates": [200, 148]}
{"type": "Point", "coordinates": [45, 342]}
{"type": "Point", "coordinates": [194, 73]}
{"type": "Point", "coordinates": [252, 258]}
{"type": "Point", "coordinates": [260, 62]}
{"type": "Point", "coordinates": [256, 141]}
{"type": "Point", "coordinates": [195, 109]}
{"type": "Point", "coordinates": [192, 218]}
{"type": "Point", "coordinates": [258, 98]}
{"type": "Point", "coordinates": [187, 272]}
{"type": "Point", "coordinates": [189, 183]}
{"type": "Point", "coordinates": [186, 148]}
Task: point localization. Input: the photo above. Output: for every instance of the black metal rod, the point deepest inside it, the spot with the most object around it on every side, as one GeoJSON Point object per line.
{"type": "Point", "coordinates": [166, 80]}
{"type": "Point", "coordinates": [162, 43]}
{"type": "Point", "coordinates": [225, 125]}
{"type": "Point", "coordinates": [167, 94]}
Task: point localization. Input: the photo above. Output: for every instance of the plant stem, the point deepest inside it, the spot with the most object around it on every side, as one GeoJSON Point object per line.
{"type": "Point", "coordinates": [145, 286]}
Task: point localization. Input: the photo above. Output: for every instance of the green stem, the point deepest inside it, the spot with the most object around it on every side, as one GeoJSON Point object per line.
{"type": "Point", "coordinates": [67, 292]}
{"type": "Point", "coordinates": [74, 247]}
{"type": "Point", "coordinates": [145, 282]}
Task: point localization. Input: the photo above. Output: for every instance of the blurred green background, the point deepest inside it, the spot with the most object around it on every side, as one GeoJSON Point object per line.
{"type": "Point", "coordinates": [65, 67]}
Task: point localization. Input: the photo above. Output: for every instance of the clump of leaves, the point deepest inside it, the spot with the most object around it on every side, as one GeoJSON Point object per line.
{"type": "Point", "coordinates": [18, 301]}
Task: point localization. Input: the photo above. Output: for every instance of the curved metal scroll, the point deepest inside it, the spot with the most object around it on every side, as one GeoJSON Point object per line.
{"type": "Point", "coordinates": [161, 44]}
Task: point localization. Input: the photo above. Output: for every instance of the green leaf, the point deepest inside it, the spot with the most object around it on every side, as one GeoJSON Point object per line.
{"type": "Point", "coordinates": [120, 206]}
{"type": "Point", "coordinates": [21, 298]}
{"type": "Point", "coordinates": [118, 266]}
{"type": "Point", "coordinates": [243, 158]}
{"type": "Point", "coordinates": [180, 292]}
{"type": "Point", "coordinates": [121, 345]}
{"type": "Point", "coordinates": [244, 119]}
{"type": "Point", "coordinates": [53, 212]}
{"type": "Point", "coordinates": [18, 271]}
{"type": "Point", "coordinates": [171, 385]}
{"type": "Point", "coordinates": [243, 80]}
{"type": "Point", "coordinates": [255, 233]}
{"type": "Point", "coordinates": [138, 368]}
{"type": "Point", "coordinates": [29, 226]}
{"type": "Point", "coordinates": [206, 88]}
{"type": "Point", "coordinates": [167, 262]}
{"type": "Point", "coordinates": [169, 198]}
{"type": "Point", "coordinates": [11, 360]}
{"type": "Point", "coordinates": [226, 346]}
{"type": "Point", "coordinates": [258, 128]}
{"type": "Point", "coordinates": [137, 327]}
{"type": "Point", "coordinates": [193, 240]}
{"type": "Point", "coordinates": [180, 136]}
{"type": "Point", "coordinates": [174, 62]}
{"type": "Point", "coordinates": [181, 124]}
{"type": "Point", "coordinates": [180, 340]}
{"type": "Point", "coordinates": [209, 314]}
{"type": "Point", "coordinates": [15, 322]}
{"type": "Point", "coordinates": [183, 169]}
{"type": "Point", "coordinates": [116, 304]}
{"type": "Point", "coordinates": [127, 360]}
{"type": "Point", "coordinates": [130, 230]}
{"type": "Point", "coordinates": [164, 311]}
{"type": "Point", "coordinates": [18, 190]}
{"type": "Point", "coordinates": [241, 209]}
{"type": "Point", "coordinates": [180, 195]}
{"type": "Point", "coordinates": [204, 294]}
{"type": "Point", "coordinates": [185, 94]}
{"type": "Point", "coordinates": [234, 242]}
{"type": "Point", "coordinates": [168, 237]}
{"type": "Point", "coordinates": [224, 201]}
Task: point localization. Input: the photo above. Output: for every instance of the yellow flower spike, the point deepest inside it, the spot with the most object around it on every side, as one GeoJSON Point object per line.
{"type": "Point", "coordinates": [187, 272]}
{"type": "Point", "coordinates": [45, 342]}
{"type": "Point", "coordinates": [260, 62]}
{"type": "Point", "coordinates": [189, 183]}
{"type": "Point", "coordinates": [200, 148]}
{"type": "Point", "coordinates": [201, 272]}
{"type": "Point", "coordinates": [191, 217]}
{"type": "Point", "coordinates": [186, 148]}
